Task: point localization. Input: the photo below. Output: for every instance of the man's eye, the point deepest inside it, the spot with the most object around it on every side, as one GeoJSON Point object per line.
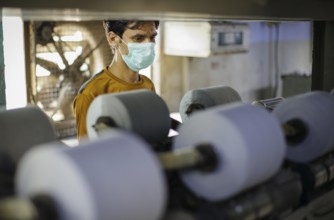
{"type": "Point", "coordinates": [138, 38]}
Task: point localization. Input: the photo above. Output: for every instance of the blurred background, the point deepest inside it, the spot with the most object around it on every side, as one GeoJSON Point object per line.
{"type": "Point", "coordinates": [54, 55]}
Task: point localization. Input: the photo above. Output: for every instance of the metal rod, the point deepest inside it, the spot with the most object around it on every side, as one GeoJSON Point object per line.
{"type": "Point", "coordinates": [201, 158]}
{"type": "Point", "coordinates": [182, 158]}
{"type": "Point", "coordinates": [18, 209]}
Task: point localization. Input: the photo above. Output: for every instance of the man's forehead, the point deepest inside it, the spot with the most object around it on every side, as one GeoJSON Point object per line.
{"type": "Point", "coordinates": [145, 29]}
{"type": "Point", "coordinates": [139, 24]}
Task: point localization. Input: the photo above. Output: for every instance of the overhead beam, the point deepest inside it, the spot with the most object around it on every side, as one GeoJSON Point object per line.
{"type": "Point", "coordinates": [185, 9]}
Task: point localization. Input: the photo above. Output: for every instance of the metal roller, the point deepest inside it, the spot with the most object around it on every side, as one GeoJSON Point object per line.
{"type": "Point", "coordinates": [199, 99]}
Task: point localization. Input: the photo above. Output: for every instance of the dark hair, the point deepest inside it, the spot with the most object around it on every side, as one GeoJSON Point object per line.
{"type": "Point", "coordinates": [119, 26]}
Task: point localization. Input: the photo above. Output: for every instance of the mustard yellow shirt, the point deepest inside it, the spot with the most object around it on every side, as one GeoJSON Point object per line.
{"type": "Point", "coordinates": [101, 83]}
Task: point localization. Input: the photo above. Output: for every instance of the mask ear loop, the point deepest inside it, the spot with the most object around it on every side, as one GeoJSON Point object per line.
{"type": "Point", "coordinates": [115, 55]}
{"type": "Point", "coordinates": [117, 49]}
{"type": "Point", "coordinates": [119, 46]}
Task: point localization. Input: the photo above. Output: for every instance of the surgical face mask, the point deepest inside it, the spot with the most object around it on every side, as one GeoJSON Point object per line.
{"type": "Point", "coordinates": [140, 56]}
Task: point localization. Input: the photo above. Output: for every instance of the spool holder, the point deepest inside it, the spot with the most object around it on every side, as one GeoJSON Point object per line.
{"type": "Point", "coordinates": [201, 157]}
{"type": "Point", "coordinates": [269, 104]}
{"type": "Point", "coordinates": [316, 174]}
{"type": "Point", "coordinates": [104, 123]}
{"type": "Point", "coordinates": [267, 201]}
{"type": "Point", "coordinates": [194, 107]}
{"type": "Point", "coordinates": [295, 131]}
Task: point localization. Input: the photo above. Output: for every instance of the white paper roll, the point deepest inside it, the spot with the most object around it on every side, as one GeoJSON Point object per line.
{"type": "Point", "coordinates": [22, 129]}
{"type": "Point", "coordinates": [114, 177]}
{"type": "Point", "coordinates": [140, 111]}
{"type": "Point", "coordinates": [208, 97]}
{"type": "Point", "coordinates": [316, 110]}
{"type": "Point", "coordinates": [248, 141]}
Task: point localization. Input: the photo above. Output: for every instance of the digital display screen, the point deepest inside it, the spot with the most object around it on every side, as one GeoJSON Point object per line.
{"type": "Point", "coordinates": [230, 38]}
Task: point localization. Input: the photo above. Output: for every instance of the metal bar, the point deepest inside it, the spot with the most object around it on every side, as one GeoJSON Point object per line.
{"type": "Point", "coordinates": [323, 55]}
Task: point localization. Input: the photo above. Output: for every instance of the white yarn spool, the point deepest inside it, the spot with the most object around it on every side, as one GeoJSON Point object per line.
{"type": "Point", "coordinates": [114, 177]}
{"type": "Point", "coordinates": [141, 111]}
{"type": "Point", "coordinates": [208, 97]}
{"type": "Point", "coordinates": [248, 141]}
{"type": "Point", "coordinates": [316, 111]}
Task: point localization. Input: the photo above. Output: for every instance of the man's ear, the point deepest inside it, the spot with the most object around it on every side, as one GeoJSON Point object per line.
{"type": "Point", "coordinates": [113, 39]}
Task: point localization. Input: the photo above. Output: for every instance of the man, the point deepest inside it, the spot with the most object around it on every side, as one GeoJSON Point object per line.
{"type": "Point", "coordinates": [132, 43]}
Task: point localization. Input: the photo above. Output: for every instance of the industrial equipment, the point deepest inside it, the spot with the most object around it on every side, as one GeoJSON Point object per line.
{"type": "Point", "coordinates": [231, 161]}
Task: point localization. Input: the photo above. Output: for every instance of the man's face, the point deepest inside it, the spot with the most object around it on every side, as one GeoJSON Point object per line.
{"type": "Point", "coordinates": [145, 33]}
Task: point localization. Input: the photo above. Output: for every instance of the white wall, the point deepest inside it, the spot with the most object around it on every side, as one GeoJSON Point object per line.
{"type": "Point", "coordinates": [252, 73]}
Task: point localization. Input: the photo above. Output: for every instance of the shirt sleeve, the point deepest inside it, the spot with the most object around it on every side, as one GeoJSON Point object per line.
{"type": "Point", "coordinates": [80, 108]}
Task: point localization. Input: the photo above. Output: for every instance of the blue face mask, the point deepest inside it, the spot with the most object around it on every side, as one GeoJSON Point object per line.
{"type": "Point", "coordinates": [141, 55]}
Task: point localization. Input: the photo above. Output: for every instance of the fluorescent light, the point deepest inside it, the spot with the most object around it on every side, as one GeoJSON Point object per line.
{"type": "Point", "coordinates": [14, 59]}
